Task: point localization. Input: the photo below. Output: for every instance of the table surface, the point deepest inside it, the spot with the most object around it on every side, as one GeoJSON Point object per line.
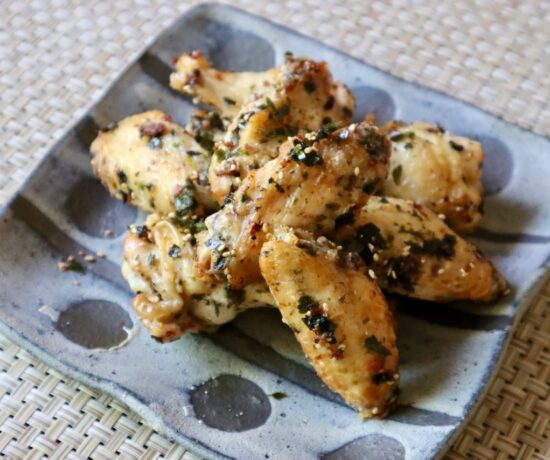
{"type": "Point", "coordinates": [57, 56]}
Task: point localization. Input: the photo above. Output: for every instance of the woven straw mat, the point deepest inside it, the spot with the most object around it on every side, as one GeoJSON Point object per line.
{"type": "Point", "coordinates": [57, 56]}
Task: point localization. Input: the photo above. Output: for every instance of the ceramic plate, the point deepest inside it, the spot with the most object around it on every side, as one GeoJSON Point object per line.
{"type": "Point", "coordinates": [247, 392]}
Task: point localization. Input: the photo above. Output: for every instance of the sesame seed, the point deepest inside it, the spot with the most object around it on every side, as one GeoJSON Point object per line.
{"type": "Point", "coordinates": [356, 171]}
{"type": "Point", "coordinates": [372, 274]}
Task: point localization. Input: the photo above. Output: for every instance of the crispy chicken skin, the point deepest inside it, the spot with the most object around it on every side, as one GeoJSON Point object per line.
{"type": "Point", "coordinates": [410, 251]}
{"type": "Point", "coordinates": [311, 184]}
{"type": "Point", "coordinates": [298, 96]}
{"type": "Point", "coordinates": [155, 164]}
{"type": "Point", "coordinates": [174, 295]}
{"type": "Point", "coordinates": [338, 315]}
{"type": "Point", "coordinates": [438, 169]}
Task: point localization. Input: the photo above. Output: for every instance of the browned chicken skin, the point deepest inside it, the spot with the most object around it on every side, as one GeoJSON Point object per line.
{"type": "Point", "coordinates": [312, 183]}
{"type": "Point", "coordinates": [437, 169]}
{"type": "Point", "coordinates": [278, 155]}
{"type": "Point", "coordinates": [338, 315]}
{"type": "Point", "coordinates": [265, 108]}
{"type": "Point", "coordinates": [410, 251]}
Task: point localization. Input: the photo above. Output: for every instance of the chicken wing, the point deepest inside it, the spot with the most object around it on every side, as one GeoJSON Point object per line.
{"type": "Point", "coordinates": [311, 185]}
{"type": "Point", "coordinates": [174, 296]}
{"type": "Point", "coordinates": [438, 169]}
{"type": "Point", "coordinates": [155, 164]}
{"type": "Point", "coordinates": [266, 108]}
{"type": "Point", "coordinates": [339, 317]}
{"type": "Point", "coordinates": [410, 251]}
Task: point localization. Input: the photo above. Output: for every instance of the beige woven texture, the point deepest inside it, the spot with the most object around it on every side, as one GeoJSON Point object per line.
{"type": "Point", "coordinates": [56, 58]}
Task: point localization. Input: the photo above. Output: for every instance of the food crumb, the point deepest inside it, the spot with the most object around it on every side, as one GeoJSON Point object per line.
{"type": "Point", "coordinates": [108, 232]}
{"type": "Point", "coordinates": [89, 258]}
{"type": "Point", "coordinates": [70, 264]}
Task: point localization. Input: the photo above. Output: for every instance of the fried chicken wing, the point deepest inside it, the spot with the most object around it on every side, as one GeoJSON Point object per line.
{"type": "Point", "coordinates": [311, 185]}
{"type": "Point", "coordinates": [410, 251]}
{"type": "Point", "coordinates": [174, 296]}
{"type": "Point", "coordinates": [438, 169]}
{"type": "Point", "coordinates": [155, 164]}
{"type": "Point", "coordinates": [338, 315]}
{"type": "Point", "coordinates": [266, 108]}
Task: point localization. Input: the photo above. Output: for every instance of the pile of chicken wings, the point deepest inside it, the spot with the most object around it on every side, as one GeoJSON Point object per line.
{"type": "Point", "coordinates": [273, 197]}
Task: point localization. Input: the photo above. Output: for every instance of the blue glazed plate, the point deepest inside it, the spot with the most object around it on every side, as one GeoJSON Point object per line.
{"type": "Point", "coordinates": [247, 392]}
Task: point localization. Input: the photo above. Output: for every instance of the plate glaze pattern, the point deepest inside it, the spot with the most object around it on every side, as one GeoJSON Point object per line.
{"type": "Point", "coordinates": [247, 391]}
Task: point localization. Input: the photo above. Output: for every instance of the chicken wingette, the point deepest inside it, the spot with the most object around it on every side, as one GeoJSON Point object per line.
{"type": "Point", "coordinates": [157, 165]}
{"type": "Point", "coordinates": [410, 251]}
{"type": "Point", "coordinates": [338, 315]}
{"type": "Point", "coordinates": [173, 294]}
{"type": "Point", "coordinates": [265, 108]}
{"type": "Point", "coordinates": [438, 169]}
{"type": "Point", "coordinates": [311, 185]}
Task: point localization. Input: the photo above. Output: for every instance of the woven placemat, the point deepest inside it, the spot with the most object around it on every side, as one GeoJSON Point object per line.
{"type": "Point", "coordinates": [56, 57]}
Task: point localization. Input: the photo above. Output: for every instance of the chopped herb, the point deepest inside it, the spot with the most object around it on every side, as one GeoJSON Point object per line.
{"type": "Point", "coordinates": [369, 187]}
{"type": "Point", "coordinates": [325, 130]}
{"type": "Point", "coordinates": [140, 230]}
{"type": "Point", "coordinates": [174, 252]}
{"type": "Point", "coordinates": [396, 174]}
{"type": "Point", "coordinates": [332, 206]}
{"type": "Point", "coordinates": [282, 112]}
{"type": "Point", "coordinates": [371, 234]}
{"type": "Point", "coordinates": [278, 395]}
{"type": "Point", "coordinates": [122, 177]}
{"type": "Point", "coordinates": [382, 377]}
{"type": "Point", "coordinates": [220, 263]}
{"type": "Point", "coordinates": [184, 201]}
{"type": "Point", "coordinates": [439, 248]}
{"type": "Point", "coordinates": [405, 269]}
{"type": "Point", "coordinates": [321, 325]}
{"type": "Point", "coordinates": [347, 111]}
{"type": "Point", "coordinates": [244, 198]}
{"type": "Point", "coordinates": [269, 104]}
{"type": "Point", "coordinates": [456, 146]}
{"type": "Point", "coordinates": [279, 188]}
{"type": "Point", "coordinates": [71, 265]}
{"type": "Point", "coordinates": [399, 136]}
{"type": "Point", "coordinates": [227, 199]}
{"type": "Point", "coordinates": [309, 158]}
{"type": "Point", "coordinates": [329, 104]}
{"type": "Point", "coordinates": [229, 101]}
{"type": "Point", "coordinates": [193, 153]}
{"type": "Point", "coordinates": [347, 218]}
{"type": "Point", "coordinates": [306, 303]}
{"type": "Point", "coordinates": [205, 140]}
{"type": "Point", "coordinates": [236, 296]}
{"type": "Point", "coordinates": [310, 86]}
{"type": "Point", "coordinates": [375, 142]}
{"type": "Point", "coordinates": [373, 344]}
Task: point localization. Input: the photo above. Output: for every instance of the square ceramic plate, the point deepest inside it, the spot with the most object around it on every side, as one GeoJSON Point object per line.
{"type": "Point", "coordinates": [215, 393]}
